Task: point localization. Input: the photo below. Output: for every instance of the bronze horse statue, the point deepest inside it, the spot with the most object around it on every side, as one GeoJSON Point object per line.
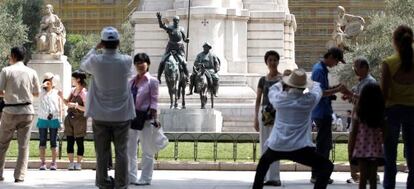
{"type": "Point", "coordinates": [176, 80]}
{"type": "Point", "coordinates": [202, 86]}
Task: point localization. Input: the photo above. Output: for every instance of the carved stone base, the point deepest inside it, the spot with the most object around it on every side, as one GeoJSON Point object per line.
{"type": "Point", "coordinates": [191, 120]}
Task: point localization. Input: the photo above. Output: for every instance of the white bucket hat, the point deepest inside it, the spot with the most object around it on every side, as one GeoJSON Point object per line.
{"type": "Point", "coordinates": [50, 76]}
{"type": "Point", "coordinates": [297, 79]}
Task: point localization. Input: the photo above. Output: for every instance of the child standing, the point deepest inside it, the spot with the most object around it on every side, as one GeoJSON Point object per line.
{"type": "Point", "coordinates": [48, 121]}
{"type": "Point", "coordinates": [366, 140]}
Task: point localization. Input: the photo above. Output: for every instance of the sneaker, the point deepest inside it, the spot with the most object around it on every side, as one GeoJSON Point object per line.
{"type": "Point", "coordinates": [313, 180]}
{"type": "Point", "coordinates": [78, 166]}
{"type": "Point", "coordinates": [273, 183]}
{"type": "Point", "coordinates": [142, 183]}
{"type": "Point", "coordinates": [42, 166]}
{"type": "Point", "coordinates": [71, 166]}
{"type": "Point", "coordinates": [352, 181]}
{"type": "Point", "coordinates": [18, 180]}
{"type": "Point", "coordinates": [53, 166]}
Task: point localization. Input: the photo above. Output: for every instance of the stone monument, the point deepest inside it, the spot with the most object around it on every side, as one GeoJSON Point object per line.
{"type": "Point", "coordinates": [347, 28]}
{"type": "Point", "coordinates": [49, 56]}
{"type": "Point", "coordinates": [241, 31]}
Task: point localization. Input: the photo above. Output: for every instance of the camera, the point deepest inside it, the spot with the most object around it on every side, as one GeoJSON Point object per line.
{"type": "Point", "coordinates": [333, 97]}
{"type": "Point", "coordinates": [49, 116]}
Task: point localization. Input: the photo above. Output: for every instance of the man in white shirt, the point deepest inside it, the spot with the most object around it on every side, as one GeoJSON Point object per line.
{"type": "Point", "coordinates": [110, 104]}
{"type": "Point", "coordinates": [291, 137]}
{"type": "Point", "coordinates": [18, 85]}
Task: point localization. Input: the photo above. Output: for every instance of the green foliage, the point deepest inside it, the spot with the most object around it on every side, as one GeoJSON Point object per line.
{"type": "Point", "coordinates": [127, 38]}
{"type": "Point", "coordinates": [12, 30]}
{"type": "Point", "coordinates": [77, 45]}
{"type": "Point", "coordinates": [376, 42]}
{"type": "Point", "coordinates": [31, 14]}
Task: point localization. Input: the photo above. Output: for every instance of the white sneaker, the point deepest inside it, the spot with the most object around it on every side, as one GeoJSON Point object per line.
{"type": "Point", "coordinates": [42, 166]}
{"type": "Point", "coordinates": [78, 166]}
{"type": "Point", "coordinates": [71, 166]}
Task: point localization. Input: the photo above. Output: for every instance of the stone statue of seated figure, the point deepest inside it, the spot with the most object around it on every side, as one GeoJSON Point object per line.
{"type": "Point", "coordinates": [52, 35]}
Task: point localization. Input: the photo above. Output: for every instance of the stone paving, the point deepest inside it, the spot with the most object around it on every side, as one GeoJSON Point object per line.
{"type": "Point", "coordinates": [84, 179]}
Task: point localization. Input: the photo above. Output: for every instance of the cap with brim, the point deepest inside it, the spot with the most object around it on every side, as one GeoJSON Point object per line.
{"type": "Point", "coordinates": [109, 34]}
{"type": "Point", "coordinates": [337, 53]}
{"type": "Point", "coordinates": [297, 79]}
{"type": "Point", "coordinates": [206, 44]}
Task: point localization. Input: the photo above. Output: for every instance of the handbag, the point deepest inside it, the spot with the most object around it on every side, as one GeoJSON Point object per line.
{"type": "Point", "coordinates": [268, 115]}
{"type": "Point", "coordinates": [141, 117]}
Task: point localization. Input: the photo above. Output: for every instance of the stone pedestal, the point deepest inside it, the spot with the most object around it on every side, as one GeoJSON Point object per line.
{"type": "Point", "coordinates": [191, 120]}
{"type": "Point", "coordinates": [56, 64]}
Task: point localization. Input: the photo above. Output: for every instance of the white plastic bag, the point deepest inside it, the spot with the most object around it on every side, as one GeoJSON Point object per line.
{"type": "Point", "coordinates": [159, 140]}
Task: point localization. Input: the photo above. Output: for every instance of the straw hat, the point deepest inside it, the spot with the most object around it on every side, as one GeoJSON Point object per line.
{"type": "Point", "coordinates": [297, 79]}
{"type": "Point", "coordinates": [286, 65]}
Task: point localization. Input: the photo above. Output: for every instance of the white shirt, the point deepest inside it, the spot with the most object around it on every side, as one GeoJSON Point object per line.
{"type": "Point", "coordinates": [49, 104]}
{"type": "Point", "coordinates": [109, 97]}
{"type": "Point", "coordinates": [19, 82]}
{"type": "Point", "coordinates": [292, 129]}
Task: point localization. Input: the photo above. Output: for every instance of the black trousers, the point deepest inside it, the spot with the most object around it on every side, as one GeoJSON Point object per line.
{"type": "Point", "coordinates": [306, 156]}
{"type": "Point", "coordinates": [323, 138]}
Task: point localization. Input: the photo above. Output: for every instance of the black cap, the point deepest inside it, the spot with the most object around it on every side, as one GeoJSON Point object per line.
{"type": "Point", "coordinates": [337, 53]}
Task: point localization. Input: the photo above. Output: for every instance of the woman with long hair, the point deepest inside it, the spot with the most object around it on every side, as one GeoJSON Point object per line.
{"type": "Point", "coordinates": [75, 121]}
{"type": "Point", "coordinates": [397, 84]}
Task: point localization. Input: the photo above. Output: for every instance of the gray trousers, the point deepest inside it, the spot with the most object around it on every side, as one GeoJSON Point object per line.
{"type": "Point", "coordinates": [104, 133]}
{"type": "Point", "coordinates": [21, 124]}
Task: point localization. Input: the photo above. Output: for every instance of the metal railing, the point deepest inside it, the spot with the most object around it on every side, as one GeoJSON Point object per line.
{"type": "Point", "coordinates": [216, 139]}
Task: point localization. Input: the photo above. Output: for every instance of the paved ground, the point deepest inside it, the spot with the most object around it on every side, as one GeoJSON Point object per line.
{"type": "Point", "coordinates": [84, 179]}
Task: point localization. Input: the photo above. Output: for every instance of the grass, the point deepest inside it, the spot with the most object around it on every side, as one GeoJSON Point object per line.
{"type": "Point", "coordinates": [186, 152]}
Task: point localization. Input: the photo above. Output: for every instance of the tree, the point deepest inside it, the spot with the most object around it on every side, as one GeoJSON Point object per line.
{"type": "Point", "coordinates": [376, 41]}
{"type": "Point", "coordinates": [78, 45]}
{"type": "Point", "coordinates": [12, 31]}
{"type": "Point", "coordinates": [32, 12]}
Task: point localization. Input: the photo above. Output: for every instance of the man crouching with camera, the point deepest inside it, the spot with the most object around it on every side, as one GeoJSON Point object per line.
{"type": "Point", "coordinates": [291, 138]}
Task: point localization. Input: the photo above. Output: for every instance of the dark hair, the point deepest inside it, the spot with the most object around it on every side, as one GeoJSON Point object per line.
{"type": "Point", "coordinates": [403, 39]}
{"type": "Point", "coordinates": [349, 111]}
{"type": "Point", "coordinates": [271, 53]}
{"type": "Point", "coordinates": [18, 53]}
{"type": "Point", "coordinates": [336, 53]}
{"type": "Point", "coordinates": [81, 76]}
{"type": "Point", "coordinates": [371, 106]}
{"type": "Point", "coordinates": [110, 44]}
{"type": "Point", "coordinates": [362, 62]}
{"type": "Point", "coordinates": [141, 58]}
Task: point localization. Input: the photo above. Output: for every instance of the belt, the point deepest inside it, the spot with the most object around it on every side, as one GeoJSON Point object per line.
{"type": "Point", "coordinates": [18, 104]}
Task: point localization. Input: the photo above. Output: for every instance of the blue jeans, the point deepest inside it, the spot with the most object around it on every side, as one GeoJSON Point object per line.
{"type": "Point", "coordinates": [43, 137]}
{"type": "Point", "coordinates": [398, 117]}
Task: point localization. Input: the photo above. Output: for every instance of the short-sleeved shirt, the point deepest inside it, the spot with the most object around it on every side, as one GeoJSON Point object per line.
{"type": "Point", "coordinates": [264, 85]}
{"type": "Point", "coordinates": [367, 80]}
{"type": "Point", "coordinates": [324, 107]}
{"type": "Point", "coordinates": [19, 82]}
{"type": "Point", "coordinates": [109, 97]}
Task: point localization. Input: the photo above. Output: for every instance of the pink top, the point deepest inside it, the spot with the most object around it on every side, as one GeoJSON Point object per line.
{"type": "Point", "coordinates": [147, 92]}
{"type": "Point", "coordinates": [82, 93]}
{"type": "Point", "coordinates": [368, 143]}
